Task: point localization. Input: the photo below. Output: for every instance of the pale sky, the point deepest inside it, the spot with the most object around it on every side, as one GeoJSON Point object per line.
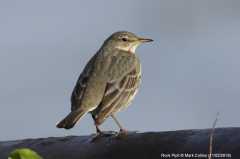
{"type": "Point", "coordinates": [190, 71]}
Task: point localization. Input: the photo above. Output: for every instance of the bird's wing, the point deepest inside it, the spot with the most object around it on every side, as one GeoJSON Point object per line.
{"type": "Point", "coordinates": [119, 95]}
{"type": "Point", "coordinates": [80, 86]}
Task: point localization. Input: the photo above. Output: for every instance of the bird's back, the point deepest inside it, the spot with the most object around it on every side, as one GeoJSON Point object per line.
{"type": "Point", "coordinates": [108, 67]}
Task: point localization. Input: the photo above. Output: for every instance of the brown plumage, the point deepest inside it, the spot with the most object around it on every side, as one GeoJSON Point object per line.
{"type": "Point", "coordinates": [109, 81]}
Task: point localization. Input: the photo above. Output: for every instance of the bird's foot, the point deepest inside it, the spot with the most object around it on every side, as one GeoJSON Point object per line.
{"type": "Point", "coordinates": [102, 132]}
{"type": "Point", "coordinates": [125, 131]}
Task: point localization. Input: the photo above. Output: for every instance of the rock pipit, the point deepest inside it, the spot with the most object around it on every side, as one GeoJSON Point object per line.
{"type": "Point", "coordinates": [108, 83]}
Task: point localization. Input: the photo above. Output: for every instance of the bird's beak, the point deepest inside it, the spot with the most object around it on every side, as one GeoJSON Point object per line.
{"type": "Point", "coordinates": [140, 40]}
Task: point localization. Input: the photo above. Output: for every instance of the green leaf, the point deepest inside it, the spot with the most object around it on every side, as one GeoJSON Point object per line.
{"type": "Point", "coordinates": [23, 154]}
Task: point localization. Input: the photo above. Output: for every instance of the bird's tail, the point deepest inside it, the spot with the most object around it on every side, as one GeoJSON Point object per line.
{"type": "Point", "coordinates": [71, 120]}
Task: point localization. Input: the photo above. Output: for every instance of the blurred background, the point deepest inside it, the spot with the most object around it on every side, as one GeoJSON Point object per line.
{"type": "Point", "coordinates": [190, 71]}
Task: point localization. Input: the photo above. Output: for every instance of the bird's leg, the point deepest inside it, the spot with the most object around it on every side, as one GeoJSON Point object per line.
{"type": "Point", "coordinates": [121, 128]}
{"type": "Point", "coordinates": [99, 132]}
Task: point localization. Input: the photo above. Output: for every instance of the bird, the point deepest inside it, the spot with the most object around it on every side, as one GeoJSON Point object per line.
{"type": "Point", "coordinates": [108, 83]}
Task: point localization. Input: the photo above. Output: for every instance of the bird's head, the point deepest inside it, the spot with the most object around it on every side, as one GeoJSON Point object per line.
{"type": "Point", "coordinates": [126, 41]}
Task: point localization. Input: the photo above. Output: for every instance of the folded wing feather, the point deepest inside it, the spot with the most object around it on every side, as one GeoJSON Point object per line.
{"type": "Point", "coordinates": [117, 95]}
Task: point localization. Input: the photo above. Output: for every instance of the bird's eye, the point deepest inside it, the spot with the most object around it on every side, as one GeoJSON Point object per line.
{"type": "Point", "coordinates": [124, 39]}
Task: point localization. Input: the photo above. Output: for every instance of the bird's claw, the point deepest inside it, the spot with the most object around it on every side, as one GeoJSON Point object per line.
{"type": "Point", "coordinates": [125, 131]}
{"type": "Point", "coordinates": [98, 134]}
